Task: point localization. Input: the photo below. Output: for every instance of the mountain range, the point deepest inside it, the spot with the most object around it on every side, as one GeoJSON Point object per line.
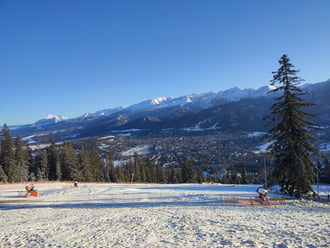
{"type": "Point", "coordinates": [230, 111]}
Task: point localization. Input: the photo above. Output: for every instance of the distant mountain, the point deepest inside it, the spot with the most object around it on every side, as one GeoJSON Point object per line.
{"type": "Point", "coordinates": [228, 111]}
{"type": "Point", "coordinates": [201, 101]}
{"type": "Point", "coordinates": [104, 112]}
{"type": "Point", "coordinates": [50, 119]}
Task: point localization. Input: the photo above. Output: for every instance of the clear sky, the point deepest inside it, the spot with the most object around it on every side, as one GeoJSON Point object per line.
{"type": "Point", "coordinates": [68, 57]}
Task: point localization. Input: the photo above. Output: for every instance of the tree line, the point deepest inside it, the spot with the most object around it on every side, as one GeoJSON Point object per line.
{"type": "Point", "coordinates": [18, 163]}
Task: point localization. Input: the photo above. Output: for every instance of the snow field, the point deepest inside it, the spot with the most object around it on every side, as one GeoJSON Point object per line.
{"type": "Point", "coordinates": [141, 215]}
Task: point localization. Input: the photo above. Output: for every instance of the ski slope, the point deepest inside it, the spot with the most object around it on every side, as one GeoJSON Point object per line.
{"type": "Point", "coordinates": [152, 215]}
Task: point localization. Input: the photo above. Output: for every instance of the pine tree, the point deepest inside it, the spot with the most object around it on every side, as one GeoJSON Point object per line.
{"type": "Point", "coordinates": [245, 178]}
{"type": "Point", "coordinates": [120, 174]}
{"type": "Point", "coordinates": [234, 179]}
{"type": "Point", "coordinates": [327, 169]}
{"type": "Point", "coordinates": [69, 164]}
{"type": "Point", "coordinates": [110, 174]}
{"type": "Point", "coordinates": [85, 163]}
{"type": "Point", "coordinates": [200, 175]}
{"type": "Point", "coordinates": [113, 176]}
{"type": "Point", "coordinates": [58, 171]}
{"type": "Point", "coordinates": [188, 174]}
{"type": "Point", "coordinates": [291, 132]}
{"type": "Point", "coordinates": [97, 174]}
{"type": "Point", "coordinates": [41, 169]}
{"type": "Point", "coordinates": [173, 178]}
{"type": "Point", "coordinates": [160, 177]}
{"type": "Point", "coordinates": [142, 171]}
{"type": "Point", "coordinates": [150, 171]}
{"type": "Point", "coordinates": [129, 171]}
{"type": "Point", "coordinates": [53, 162]}
{"type": "Point", "coordinates": [7, 155]}
{"type": "Point", "coordinates": [3, 176]}
{"type": "Point", "coordinates": [22, 161]}
{"type": "Point", "coordinates": [135, 168]}
{"type": "Point", "coordinates": [31, 163]}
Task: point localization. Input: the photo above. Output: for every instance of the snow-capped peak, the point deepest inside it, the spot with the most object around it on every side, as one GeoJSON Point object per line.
{"type": "Point", "coordinates": [152, 103]}
{"type": "Point", "coordinates": [56, 118]}
{"type": "Point", "coordinates": [271, 87]}
{"type": "Point", "coordinates": [159, 100]}
{"type": "Point", "coordinates": [188, 99]}
{"type": "Point", "coordinates": [103, 112]}
{"type": "Point", "coordinates": [50, 119]}
{"type": "Point", "coordinates": [236, 94]}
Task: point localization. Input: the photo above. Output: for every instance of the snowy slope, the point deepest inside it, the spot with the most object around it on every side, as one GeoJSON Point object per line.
{"type": "Point", "coordinates": [153, 215]}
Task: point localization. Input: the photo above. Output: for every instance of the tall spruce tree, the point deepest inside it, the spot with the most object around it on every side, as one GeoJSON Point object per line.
{"type": "Point", "coordinates": [97, 175]}
{"type": "Point", "coordinates": [69, 162]}
{"type": "Point", "coordinates": [7, 154]}
{"type": "Point", "coordinates": [41, 169]}
{"type": "Point", "coordinates": [30, 162]}
{"type": "Point", "coordinates": [22, 161]}
{"type": "Point", "coordinates": [3, 176]}
{"type": "Point", "coordinates": [54, 171]}
{"type": "Point", "coordinates": [110, 174]}
{"type": "Point", "coordinates": [160, 177]}
{"type": "Point", "coordinates": [85, 163]}
{"type": "Point", "coordinates": [291, 132]}
{"type": "Point", "coordinates": [120, 173]}
{"type": "Point", "coordinates": [200, 175]}
{"type": "Point", "coordinates": [150, 171]}
{"type": "Point", "coordinates": [188, 173]}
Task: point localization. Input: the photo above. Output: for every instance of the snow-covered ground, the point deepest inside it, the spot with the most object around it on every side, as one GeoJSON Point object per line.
{"type": "Point", "coordinates": [147, 215]}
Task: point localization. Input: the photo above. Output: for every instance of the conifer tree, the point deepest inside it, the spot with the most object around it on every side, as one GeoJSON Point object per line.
{"type": "Point", "coordinates": [30, 161]}
{"type": "Point", "coordinates": [110, 174]}
{"type": "Point", "coordinates": [69, 163]}
{"type": "Point", "coordinates": [160, 177]}
{"type": "Point", "coordinates": [43, 169]}
{"type": "Point", "coordinates": [97, 175]}
{"type": "Point", "coordinates": [58, 171]}
{"type": "Point", "coordinates": [245, 178]}
{"type": "Point", "coordinates": [149, 171]}
{"type": "Point", "coordinates": [85, 163]}
{"type": "Point", "coordinates": [234, 179]}
{"type": "Point", "coordinates": [113, 176]}
{"type": "Point", "coordinates": [63, 157]}
{"type": "Point", "coordinates": [142, 170]}
{"type": "Point", "coordinates": [120, 174]}
{"type": "Point", "coordinates": [175, 175]}
{"type": "Point", "coordinates": [107, 167]}
{"type": "Point", "coordinates": [135, 168]}
{"type": "Point", "coordinates": [22, 161]}
{"type": "Point", "coordinates": [7, 155]}
{"type": "Point", "coordinates": [3, 176]}
{"type": "Point", "coordinates": [188, 174]}
{"type": "Point", "coordinates": [291, 132]}
{"type": "Point", "coordinates": [53, 162]}
{"type": "Point", "coordinates": [129, 171]}
{"type": "Point", "coordinates": [200, 175]}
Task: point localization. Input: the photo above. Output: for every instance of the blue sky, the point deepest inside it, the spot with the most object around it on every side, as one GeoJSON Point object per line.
{"type": "Point", "coordinates": [68, 57]}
